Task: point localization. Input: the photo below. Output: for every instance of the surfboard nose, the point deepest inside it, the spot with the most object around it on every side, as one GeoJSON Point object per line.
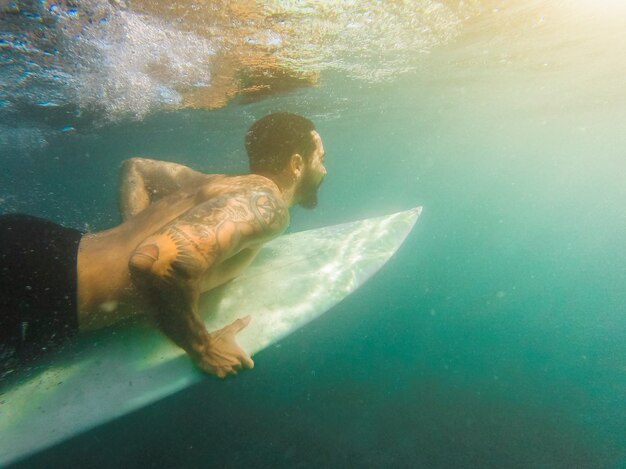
{"type": "Point", "coordinates": [415, 211]}
{"type": "Point", "coordinates": [409, 216]}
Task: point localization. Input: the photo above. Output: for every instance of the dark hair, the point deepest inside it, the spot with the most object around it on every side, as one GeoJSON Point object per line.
{"type": "Point", "coordinates": [272, 140]}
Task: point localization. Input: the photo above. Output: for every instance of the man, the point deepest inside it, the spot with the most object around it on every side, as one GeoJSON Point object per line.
{"type": "Point", "coordinates": [184, 233]}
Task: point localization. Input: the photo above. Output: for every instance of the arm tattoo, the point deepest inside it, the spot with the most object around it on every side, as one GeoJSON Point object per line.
{"type": "Point", "coordinates": [267, 211]}
{"type": "Point", "coordinates": [216, 229]}
{"type": "Point", "coordinates": [170, 265]}
{"type": "Point", "coordinates": [185, 263]}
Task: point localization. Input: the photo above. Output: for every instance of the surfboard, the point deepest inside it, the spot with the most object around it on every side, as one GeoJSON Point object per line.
{"type": "Point", "coordinates": [101, 376]}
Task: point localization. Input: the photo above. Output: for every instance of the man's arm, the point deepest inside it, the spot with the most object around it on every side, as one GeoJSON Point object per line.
{"type": "Point", "coordinates": [170, 266]}
{"type": "Point", "coordinates": [143, 181]}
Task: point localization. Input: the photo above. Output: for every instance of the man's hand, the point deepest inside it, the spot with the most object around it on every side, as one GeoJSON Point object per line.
{"type": "Point", "coordinates": [223, 356]}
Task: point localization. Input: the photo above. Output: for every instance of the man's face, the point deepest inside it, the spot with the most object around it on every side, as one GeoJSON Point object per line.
{"type": "Point", "coordinates": [313, 175]}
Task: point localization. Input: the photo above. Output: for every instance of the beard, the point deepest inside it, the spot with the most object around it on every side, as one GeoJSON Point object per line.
{"type": "Point", "coordinates": [307, 193]}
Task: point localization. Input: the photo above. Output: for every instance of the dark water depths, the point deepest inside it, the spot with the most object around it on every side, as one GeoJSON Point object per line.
{"type": "Point", "coordinates": [495, 336]}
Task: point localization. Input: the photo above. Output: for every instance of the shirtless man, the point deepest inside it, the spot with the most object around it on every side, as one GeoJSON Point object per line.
{"type": "Point", "coordinates": [184, 233]}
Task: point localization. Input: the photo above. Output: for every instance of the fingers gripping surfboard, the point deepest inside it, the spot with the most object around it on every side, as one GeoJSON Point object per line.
{"type": "Point", "coordinates": [294, 279]}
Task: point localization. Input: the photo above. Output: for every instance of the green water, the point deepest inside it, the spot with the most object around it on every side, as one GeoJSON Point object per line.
{"type": "Point", "coordinates": [495, 336]}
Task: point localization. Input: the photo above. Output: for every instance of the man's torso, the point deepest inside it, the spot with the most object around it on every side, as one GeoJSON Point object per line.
{"type": "Point", "coordinates": [106, 294]}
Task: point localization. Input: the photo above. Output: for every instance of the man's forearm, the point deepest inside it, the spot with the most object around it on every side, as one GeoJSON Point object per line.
{"type": "Point", "coordinates": [183, 326]}
{"type": "Point", "coordinates": [175, 308]}
{"type": "Point", "coordinates": [173, 303]}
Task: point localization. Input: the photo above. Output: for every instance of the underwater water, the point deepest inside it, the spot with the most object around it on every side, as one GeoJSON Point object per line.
{"type": "Point", "coordinates": [493, 338]}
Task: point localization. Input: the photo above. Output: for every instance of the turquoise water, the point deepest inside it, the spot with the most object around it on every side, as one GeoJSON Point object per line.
{"type": "Point", "coordinates": [495, 336]}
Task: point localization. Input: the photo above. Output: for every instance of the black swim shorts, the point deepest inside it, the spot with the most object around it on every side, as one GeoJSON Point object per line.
{"type": "Point", "coordinates": [38, 285]}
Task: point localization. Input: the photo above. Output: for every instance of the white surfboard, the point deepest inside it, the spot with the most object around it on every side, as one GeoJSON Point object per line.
{"type": "Point", "coordinates": [294, 279]}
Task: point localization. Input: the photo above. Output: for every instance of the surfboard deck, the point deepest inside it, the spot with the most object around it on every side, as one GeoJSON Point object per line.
{"type": "Point", "coordinates": [101, 376]}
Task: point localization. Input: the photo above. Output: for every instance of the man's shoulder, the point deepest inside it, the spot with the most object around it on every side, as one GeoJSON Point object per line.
{"type": "Point", "coordinates": [270, 211]}
{"type": "Point", "coordinates": [266, 202]}
{"type": "Point", "coordinates": [255, 195]}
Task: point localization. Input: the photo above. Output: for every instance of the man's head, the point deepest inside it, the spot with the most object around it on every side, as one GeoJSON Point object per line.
{"type": "Point", "coordinates": [284, 143]}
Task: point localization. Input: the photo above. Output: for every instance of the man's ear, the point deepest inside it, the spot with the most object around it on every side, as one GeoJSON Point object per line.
{"type": "Point", "coordinates": [296, 163]}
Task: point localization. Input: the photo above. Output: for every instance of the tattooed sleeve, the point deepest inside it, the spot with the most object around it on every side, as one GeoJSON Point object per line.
{"type": "Point", "coordinates": [170, 264]}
